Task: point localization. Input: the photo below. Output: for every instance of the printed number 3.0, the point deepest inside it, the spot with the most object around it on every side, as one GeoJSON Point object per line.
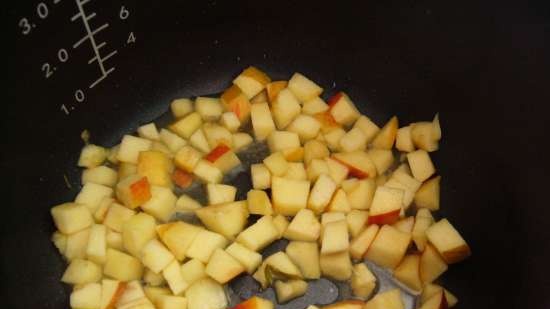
{"type": "Point", "coordinates": [25, 26]}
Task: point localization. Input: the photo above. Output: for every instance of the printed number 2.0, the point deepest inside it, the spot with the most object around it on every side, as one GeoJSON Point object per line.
{"type": "Point", "coordinates": [47, 69]}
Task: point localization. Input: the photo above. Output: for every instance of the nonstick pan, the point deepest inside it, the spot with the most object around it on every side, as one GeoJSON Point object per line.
{"type": "Point", "coordinates": [483, 66]}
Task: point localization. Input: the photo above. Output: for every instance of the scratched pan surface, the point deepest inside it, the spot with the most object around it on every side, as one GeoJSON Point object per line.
{"type": "Point", "coordinates": [484, 67]}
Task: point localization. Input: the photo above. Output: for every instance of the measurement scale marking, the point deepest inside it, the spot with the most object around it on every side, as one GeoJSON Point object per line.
{"type": "Point", "coordinates": [90, 36]}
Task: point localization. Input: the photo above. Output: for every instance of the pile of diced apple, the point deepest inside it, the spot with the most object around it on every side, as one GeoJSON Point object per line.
{"type": "Point", "coordinates": [332, 186]}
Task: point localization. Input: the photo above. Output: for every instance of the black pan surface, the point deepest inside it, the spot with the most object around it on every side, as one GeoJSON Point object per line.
{"type": "Point", "coordinates": [483, 66]}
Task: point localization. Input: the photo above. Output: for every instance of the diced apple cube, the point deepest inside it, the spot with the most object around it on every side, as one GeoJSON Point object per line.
{"type": "Point", "coordinates": [335, 237]}
{"type": "Point", "coordinates": [314, 149]}
{"type": "Point", "coordinates": [288, 290]}
{"type": "Point", "coordinates": [92, 156]}
{"type": "Point", "coordinates": [198, 140]}
{"type": "Point", "coordinates": [403, 139]}
{"type": "Point", "coordinates": [259, 235]}
{"type": "Point", "coordinates": [60, 241]}
{"type": "Point", "coordinates": [248, 258]}
{"type": "Point", "coordinates": [223, 267]}
{"type": "Point", "coordinates": [303, 88]}
{"type": "Point", "coordinates": [116, 216]}
{"type": "Point", "coordinates": [186, 126]}
{"type": "Point", "coordinates": [193, 270]}
{"type": "Point", "coordinates": [359, 163]}
{"type": "Point", "coordinates": [241, 140]}
{"type": "Point", "coordinates": [333, 137]}
{"type": "Point", "coordinates": [260, 97]}
{"type": "Point", "coordinates": [321, 193]}
{"type": "Point", "coordinates": [137, 232]}
{"type": "Point", "coordinates": [96, 251]}
{"type": "Point", "coordinates": [86, 296]}
{"type": "Point", "coordinates": [71, 217]}
{"type": "Point", "coordinates": [114, 240]}
{"type": "Point", "coordinates": [174, 278]}
{"type": "Point", "coordinates": [305, 126]}
{"type": "Point", "coordinates": [405, 225]}
{"type": "Point", "coordinates": [156, 166]}
{"type": "Point", "coordinates": [382, 159]}
{"type": "Point", "coordinates": [262, 122]}
{"type": "Point", "coordinates": [216, 135]}
{"type": "Point", "coordinates": [101, 175]}
{"type": "Point", "coordinates": [130, 147]}
{"type": "Point", "coordinates": [77, 244]}
{"type": "Point", "coordinates": [178, 237]}
{"type": "Point", "coordinates": [388, 247]}
{"type": "Point", "coordinates": [126, 169]}
{"type": "Point", "coordinates": [171, 302]}
{"type": "Point", "coordinates": [282, 140]}
{"type": "Point", "coordinates": [408, 272]}
{"type": "Point", "coordinates": [219, 193]}
{"type": "Point", "coordinates": [316, 168]}
{"type": "Point", "coordinates": [210, 109]}
{"type": "Point", "coordinates": [227, 219]}
{"type": "Point", "coordinates": [353, 140]}
{"type": "Point", "coordinates": [206, 293]}
{"type": "Point", "coordinates": [285, 108]}
{"type": "Point", "coordinates": [339, 202]}
{"type": "Point", "coordinates": [237, 102]}
{"type": "Point", "coordinates": [289, 196]}
{"type": "Point", "coordinates": [367, 126]}
{"type": "Point", "coordinates": [336, 266]}
{"type": "Point", "coordinates": [281, 223]}
{"type": "Point", "coordinates": [274, 88]}
{"type": "Point", "coordinates": [432, 265]}
{"type": "Point", "coordinates": [230, 121]}
{"type": "Point", "coordinates": [304, 227]}
{"type": "Point", "coordinates": [261, 177]}
{"type": "Point", "coordinates": [357, 220]}
{"type": "Point", "coordinates": [204, 244]}
{"type": "Point", "coordinates": [181, 107]}
{"type": "Point", "coordinates": [187, 158]}
{"type": "Point", "coordinates": [133, 296]}
{"type": "Point", "coordinates": [361, 195]}
{"type": "Point", "coordinates": [448, 242]}
{"type": "Point", "coordinates": [386, 205]}
{"type": "Point", "coordinates": [162, 203]}
{"type": "Point", "coordinates": [342, 109]}
{"type": "Point", "coordinates": [422, 222]}
{"type": "Point", "coordinates": [425, 135]}
{"type": "Point", "coordinates": [390, 299]}
{"type": "Point", "coordinates": [276, 163]}
{"type": "Point", "coordinates": [305, 255]}
{"type": "Point", "coordinates": [171, 140]}
{"type": "Point", "coordinates": [427, 195]}
{"type": "Point", "coordinates": [386, 136]}
{"type": "Point", "coordinates": [133, 191]}
{"type": "Point", "coordinates": [421, 164]}
{"type": "Point", "coordinates": [149, 131]}
{"type": "Point", "coordinates": [363, 281]}
{"type": "Point", "coordinates": [156, 256]}
{"type": "Point", "coordinates": [81, 271]}
{"type": "Point", "coordinates": [314, 106]}
{"type": "Point", "coordinates": [255, 302]}
{"type": "Point", "coordinates": [433, 289]}
{"type": "Point", "coordinates": [251, 81]}
{"type": "Point", "coordinates": [207, 172]}
{"type": "Point", "coordinates": [111, 291]}
{"type": "Point", "coordinates": [122, 266]}
{"type": "Point", "coordinates": [296, 171]}
{"type": "Point", "coordinates": [92, 194]}
{"type": "Point", "coordinates": [259, 203]}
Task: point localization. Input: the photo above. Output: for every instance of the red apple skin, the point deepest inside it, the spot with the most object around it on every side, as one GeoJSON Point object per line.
{"type": "Point", "coordinates": [116, 296]}
{"type": "Point", "coordinates": [334, 99]}
{"type": "Point", "coordinates": [353, 171]}
{"type": "Point", "coordinates": [141, 190]}
{"type": "Point", "coordinates": [182, 178]}
{"type": "Point", "coordinates": [444, 304]}
{"type": "Point", "coordinates": [327, 120]}
{"type": "Point", "coordinates": [217, 152]}
{"type": "Point", "coordinates": [386, 218]}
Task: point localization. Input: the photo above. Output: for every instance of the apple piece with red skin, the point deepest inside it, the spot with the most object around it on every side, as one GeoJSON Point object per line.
{"type": "Point", "coordinates": [111, 290]}
{"type": "Point", "coordinates": [327, 121]}
{"type": "Point", "coordinates": [358, 162]}
{"type": "Point", "coordinates": [386, 136]}
{"type": "Point", "coordinates": [448, 242]}
{"type": "Point", "coordinates": [182, 179]}
{"type": "Point", "coordinates": [386, 205]}
{"type": "Point", "coordinates": [274, 88]}
{"type": "Point", "coordinates": [234, 100]}
{"type": "Point", "coordinates": [134, 191]}
{"type": "Point", "coordinates": [255, 302]}
{"type": "Point", "coordinates": [438, 301]}
{"type": "Point", "coordinates": [342, 109]}
{"type": "Point", "coordinates": [217, 152]}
